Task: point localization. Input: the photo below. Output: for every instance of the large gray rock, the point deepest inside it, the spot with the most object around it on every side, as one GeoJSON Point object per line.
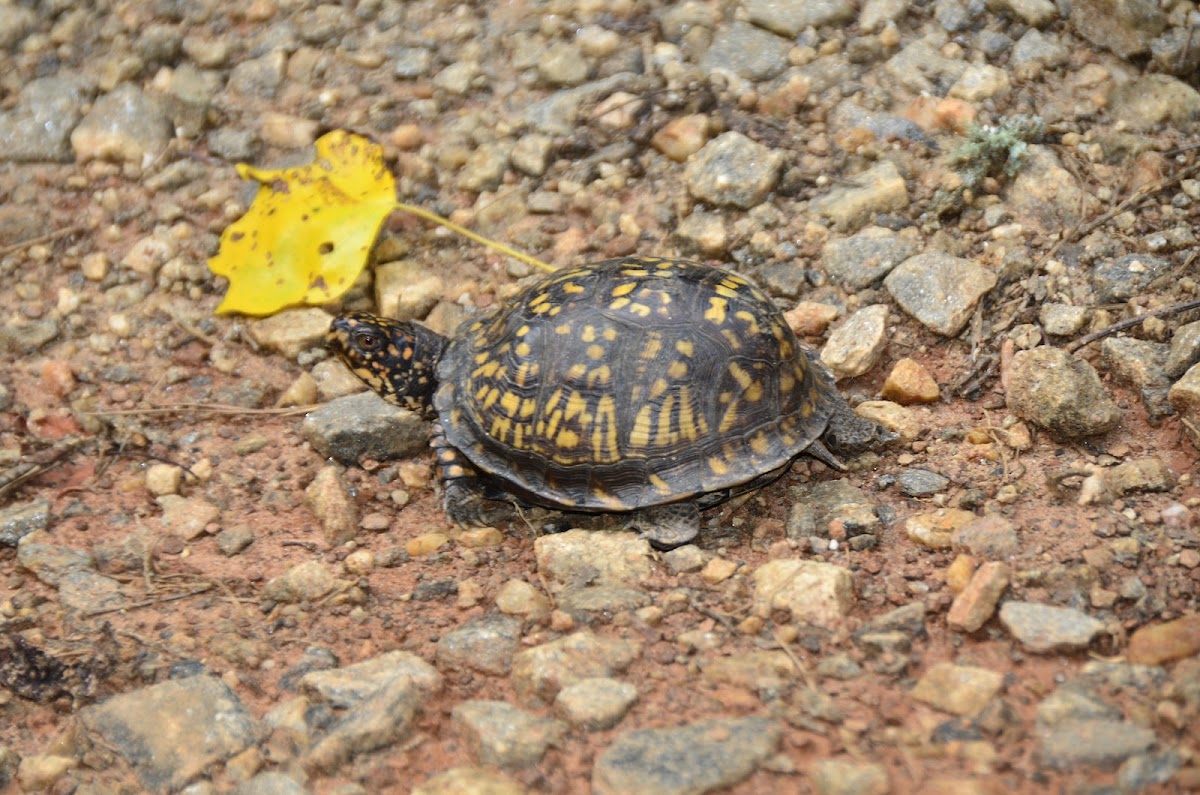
{"type": "Point", "coordinates": [39, 127]}
{"type": "Point", "coordinates": [688, 760]}
{"type": "Point", "coordinates": [1046, 628]}
{"type": "Point", "coordinates": [172, 732]}
{"type": "Point", "coordinates": [503, 735]}
{"type": "Point", "coordinates": [365, 425]}
{"type": "Point", "coordinates": [748, 52]}
{"type": "Point", "coordinates": [732, 170]}
{"type": "Point", "coordinates": [866, 257]}
{"type": "Point", "coordinates": [124, 125]}
{"type": "Point", "coordinates": [1061, 393]}
{"type": "Point", "coordinates": [939, 290]}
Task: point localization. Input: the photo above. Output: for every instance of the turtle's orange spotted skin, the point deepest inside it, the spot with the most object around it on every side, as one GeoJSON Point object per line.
{"type": "Point", "coordinates": [631, 383]}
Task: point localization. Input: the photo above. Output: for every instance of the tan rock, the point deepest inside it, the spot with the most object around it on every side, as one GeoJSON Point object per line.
{"type": "Point", "coordinates": [909, 382]}
{"type": "Point", "coordinates": [813, 592]}
{"type": "Point", "coordinates": [1163, 643]}
{"type": "Point", "coordinates": [958, 689]}
{"type": "Point", "coordinates": [935, 529]}
{"type": "Point", "coordinates": [975, 605]}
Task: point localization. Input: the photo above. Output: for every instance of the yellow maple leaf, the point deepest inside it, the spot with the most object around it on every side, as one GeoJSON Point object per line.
{"type": "Point", "coordinates": [309, 230]}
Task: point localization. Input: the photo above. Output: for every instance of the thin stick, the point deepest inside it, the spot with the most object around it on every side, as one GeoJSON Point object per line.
{"type": "Point", "coordinates": [204, 408]}
{"type": "Point", "coordinates": [1121, 325]}
{"type": "Point", "coordinates": [148, 602]}
{"type": "Point", "coordinates": [46, 238]}
{"type": "Point", "coordinates": [467, 233]}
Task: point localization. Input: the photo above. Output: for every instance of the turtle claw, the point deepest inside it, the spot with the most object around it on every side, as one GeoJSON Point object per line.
{"type": "Point", "coordinates": [667, 526]}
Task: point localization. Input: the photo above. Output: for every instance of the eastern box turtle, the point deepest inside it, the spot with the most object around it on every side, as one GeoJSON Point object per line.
{"type": "Point", "coordinates": [657, 387]}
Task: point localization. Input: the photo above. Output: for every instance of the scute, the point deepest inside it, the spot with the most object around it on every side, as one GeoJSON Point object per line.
{"type": "Point", "coordinates": [630, 383]}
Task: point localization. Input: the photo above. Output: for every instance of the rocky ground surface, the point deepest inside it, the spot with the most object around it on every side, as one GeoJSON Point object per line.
{"type": "Point", "coordinates": [205, 592]}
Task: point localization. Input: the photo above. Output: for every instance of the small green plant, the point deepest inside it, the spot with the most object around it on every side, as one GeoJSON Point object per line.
{"type": "Point", "coordinates": [990, 150]}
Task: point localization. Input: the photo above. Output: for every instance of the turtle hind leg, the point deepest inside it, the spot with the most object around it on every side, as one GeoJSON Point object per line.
{"type": "Point", "coordinates": [667, 526]}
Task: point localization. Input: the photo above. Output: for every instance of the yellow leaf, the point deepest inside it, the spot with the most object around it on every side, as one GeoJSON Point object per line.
{"type": "Point", "coordinates": [309, 231]}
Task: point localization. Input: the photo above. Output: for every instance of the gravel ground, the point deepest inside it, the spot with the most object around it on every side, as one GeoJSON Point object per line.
{"type": "Point", "coordinates": [204, 590]}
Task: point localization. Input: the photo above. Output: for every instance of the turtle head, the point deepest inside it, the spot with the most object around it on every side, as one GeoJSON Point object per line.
{"type": "Point", "coordinates": [395, 358]}
{"type": "Point", "coordinates": [849, 433]}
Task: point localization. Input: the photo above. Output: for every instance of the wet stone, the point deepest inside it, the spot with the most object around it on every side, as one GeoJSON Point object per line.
{"type": "Point", "coordinates": [915, 482]}
{"type": "Point", "coordinates": [172, 732]}
{"type": "Point", "coordinates": [732, 170]}
{"type": "Point", "coordinates": [123, 125]}
{"type": "Point", "coordinates": [18, 521]}
{"type": "Point", "coordinates": [695, 758]}
{"type": "Point", "coordinates": [498, 733]}
{"type": "Point", "coordinates": [39, 127]}
{"type": "Point", "coordinates": [485, 644]}
{"type": "Point", "coordinates": [939, 291]}
{"type": "Point", "coordinates": [862, 259]}
{"type": "Point", "coordinates": [880, 189]}
{"type": "Point", "coordinates": [1061, 393]}
{"type": "Point", "coordinates": [595, 704]}
{"type": "Point", "coordinates": [747, 51]}
{"type": "Point", "coordinates": [365, 426]}
{"type": "Point", "coordinates": [1046, 629]}
{"type": "Point", "coordinates": [856, 345]}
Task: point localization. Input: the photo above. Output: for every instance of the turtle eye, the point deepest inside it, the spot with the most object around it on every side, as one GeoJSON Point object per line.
{"type": "Point", "coordinates": [368, 340]}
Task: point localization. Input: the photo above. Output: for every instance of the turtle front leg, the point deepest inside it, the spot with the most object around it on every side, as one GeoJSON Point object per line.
{"type": "Point", "coordinates": [466, 496]}
{"type": "Point", "coordinates": [667, 526]}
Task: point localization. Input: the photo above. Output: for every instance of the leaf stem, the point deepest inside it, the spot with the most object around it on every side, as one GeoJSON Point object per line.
{"type": "Point", "coordinates": [492, 244]}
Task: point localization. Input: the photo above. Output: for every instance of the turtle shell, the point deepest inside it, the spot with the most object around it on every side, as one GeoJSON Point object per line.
{"type": "Point", "coordinates": [629, 383]}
